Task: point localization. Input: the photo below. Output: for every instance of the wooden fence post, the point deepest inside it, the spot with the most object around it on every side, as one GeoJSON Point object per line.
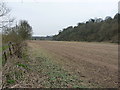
{"type": "Point", "coordinates": [5, 56]}
{"type": "Point", "coordinates": [13, 47]}
{"type": "Point", "coordinates": [10, 51]}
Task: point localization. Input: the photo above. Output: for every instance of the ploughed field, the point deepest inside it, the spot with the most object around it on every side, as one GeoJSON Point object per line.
{"type": "Point", "coordinates": [96, 64]}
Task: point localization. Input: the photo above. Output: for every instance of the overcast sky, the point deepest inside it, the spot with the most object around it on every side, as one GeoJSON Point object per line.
{"type": "Point", "coordinates": [47, 17]}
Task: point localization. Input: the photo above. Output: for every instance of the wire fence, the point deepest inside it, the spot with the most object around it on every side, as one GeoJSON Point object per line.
{"type": "Point", "coordinates": [10, 50]}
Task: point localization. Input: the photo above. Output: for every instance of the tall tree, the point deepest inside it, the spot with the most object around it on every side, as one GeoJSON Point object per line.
{"type": "Point", "coordinates": [24, 30]}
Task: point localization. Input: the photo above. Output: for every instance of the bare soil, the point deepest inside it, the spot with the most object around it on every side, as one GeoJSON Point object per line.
{"type": "Point", "coordinates": [95, 63]}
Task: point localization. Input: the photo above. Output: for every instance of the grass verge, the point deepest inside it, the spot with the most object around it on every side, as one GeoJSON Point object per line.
{"type": "Point", "coordinates": [55, 75]}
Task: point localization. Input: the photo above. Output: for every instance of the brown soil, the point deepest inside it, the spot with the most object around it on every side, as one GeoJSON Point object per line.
{"type": "Point", "coordinates": [95, 63]}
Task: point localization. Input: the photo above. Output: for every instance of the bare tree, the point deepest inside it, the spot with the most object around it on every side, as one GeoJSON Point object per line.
{"type": "Point", "coordinates": [3, 9]}
{"type": "Point", "coordinates": [5, 19]}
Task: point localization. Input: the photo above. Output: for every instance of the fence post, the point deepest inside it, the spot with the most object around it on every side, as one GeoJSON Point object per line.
{"type": "Point", "coordinates": [18, 52]}
{"type": "Point", "coordinates": [5, 56]}
{"type": "Point", "coordinates": [10, 48]}
{"type": "Point", "coordinates": [13, 48]}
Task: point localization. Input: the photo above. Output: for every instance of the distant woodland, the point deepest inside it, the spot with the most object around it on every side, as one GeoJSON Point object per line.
{"type": "Point", "coordinates": [97, 30]}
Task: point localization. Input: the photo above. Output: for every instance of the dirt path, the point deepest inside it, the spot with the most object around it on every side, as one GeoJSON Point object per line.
{"type": "Point", "coordinates": [95, 63]}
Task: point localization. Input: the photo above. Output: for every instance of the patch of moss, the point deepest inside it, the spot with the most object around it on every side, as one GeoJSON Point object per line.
{"type": "Point", "coordinates": [5, 47]}
{"type": "Point", "coordinates": [22, 65]}
{"type": "Point", "coordinates": [11, 81]}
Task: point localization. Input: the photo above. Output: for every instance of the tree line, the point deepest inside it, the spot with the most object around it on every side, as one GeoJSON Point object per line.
{"type": "Point", "coordinates": [97, 30]}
